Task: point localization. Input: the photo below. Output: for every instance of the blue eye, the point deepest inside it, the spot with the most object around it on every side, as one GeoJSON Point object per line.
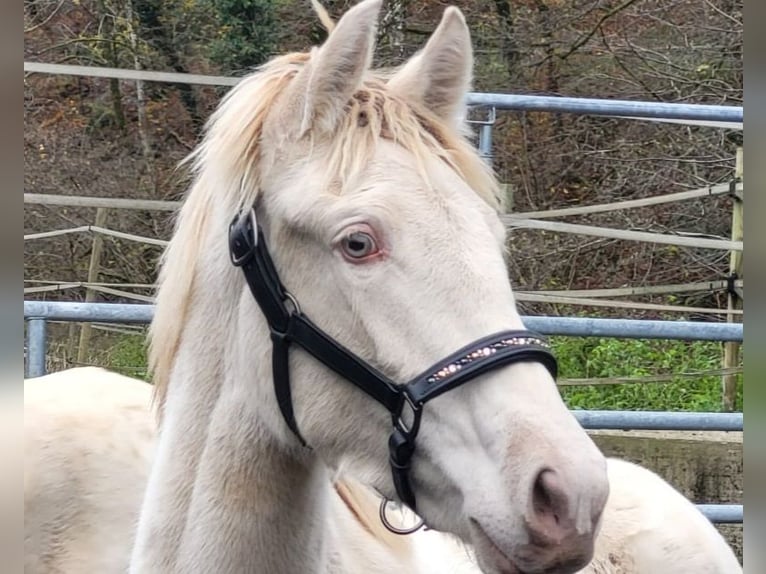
{"type": "Point", "coordinates": [359, 245]}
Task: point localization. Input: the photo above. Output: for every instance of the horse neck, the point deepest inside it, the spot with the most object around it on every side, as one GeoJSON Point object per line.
{"type": "Point", "coordinates": [225, 494]}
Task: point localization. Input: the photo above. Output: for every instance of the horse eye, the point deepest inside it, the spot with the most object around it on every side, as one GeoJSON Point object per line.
{"type": "Point", "coordinates": [359, 245]}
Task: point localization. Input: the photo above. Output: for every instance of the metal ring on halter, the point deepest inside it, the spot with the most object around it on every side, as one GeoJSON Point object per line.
{"type": "Point", "coordinates": [290, 297]}
{"type": "Point", "coordinates": [403, 531]}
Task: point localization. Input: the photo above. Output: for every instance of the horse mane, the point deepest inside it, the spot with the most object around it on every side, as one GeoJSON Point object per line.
{"type": "Point", "coordinates": [230, 145]}
{"type": "Point", "coordinates": [225, 171]}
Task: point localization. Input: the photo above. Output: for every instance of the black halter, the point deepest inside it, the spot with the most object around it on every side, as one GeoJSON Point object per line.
{"type": "Point", "coordinates": [288, 325]}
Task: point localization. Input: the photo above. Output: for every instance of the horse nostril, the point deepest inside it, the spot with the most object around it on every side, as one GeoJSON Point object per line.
{"type": "Point", "coordinates": [550, 505]}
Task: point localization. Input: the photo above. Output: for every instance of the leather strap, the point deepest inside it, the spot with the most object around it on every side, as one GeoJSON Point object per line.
{"type": "Point", "coordinates": [247, 248]}
{"type": "Point", "coordinates": [280, 357]}
{"type": "Point", "coordinates": [401, 448]}
{"type": "Point", "coordinates": [335, 356]}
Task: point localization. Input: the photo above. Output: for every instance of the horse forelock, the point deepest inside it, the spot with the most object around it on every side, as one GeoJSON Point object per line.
{"type": "Point", "coordinates": [228, 164]}
{"type": "Point", "coordinates": [374, 114]}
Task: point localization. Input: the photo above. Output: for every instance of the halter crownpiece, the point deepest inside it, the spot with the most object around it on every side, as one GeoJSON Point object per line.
{"type": "Point", "coordinates": [288, 325]}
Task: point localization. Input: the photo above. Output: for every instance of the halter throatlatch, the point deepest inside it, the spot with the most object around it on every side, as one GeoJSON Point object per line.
{"type": "Point", "coordinates": [405, 402]}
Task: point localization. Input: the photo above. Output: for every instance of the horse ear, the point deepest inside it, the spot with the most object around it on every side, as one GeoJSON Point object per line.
{"type": "Point", "coordinates": [440, 75]}
{"type": "Point", "coordinates": [337, 68]}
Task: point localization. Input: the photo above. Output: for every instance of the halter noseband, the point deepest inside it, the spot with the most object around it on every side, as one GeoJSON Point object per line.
{"type": "Point", "coordinates": [405, 402]}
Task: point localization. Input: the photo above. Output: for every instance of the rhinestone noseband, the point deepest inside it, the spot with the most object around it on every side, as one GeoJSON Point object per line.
{"type": "Point", "coordinates": [288, 325]}
{"type": "Point", "coordinates": [483, 353]}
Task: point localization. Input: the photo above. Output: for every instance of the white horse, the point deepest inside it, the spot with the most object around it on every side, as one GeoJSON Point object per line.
{"type": "Point", "coordinates": [651, 528]}
{"type": "Point", "coordinates": [90, 437]}
{"type": "Point", "coordinates": [383, 225]}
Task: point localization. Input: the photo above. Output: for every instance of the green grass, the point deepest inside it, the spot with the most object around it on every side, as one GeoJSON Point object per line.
{"type": "Point", "coordinates": [128, 356]}
{"type": "Point", "coordinates": [596, 358]}
{"type": "Point", "coordinates": [580, 357]}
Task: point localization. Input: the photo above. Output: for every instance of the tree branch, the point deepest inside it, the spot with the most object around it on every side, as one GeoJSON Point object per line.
{"type": "Point", "coordinates": [585, 37]}
{"type": "Point", "coordinates": [46, 20]}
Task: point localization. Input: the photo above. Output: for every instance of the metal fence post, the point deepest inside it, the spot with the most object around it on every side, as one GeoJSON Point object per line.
{"type": "Point", "coordinates": [485, 142]}
{"type": "Point", "coordinates": [37, 331]}
{"type": "Point", "coordinates": [485, 135]}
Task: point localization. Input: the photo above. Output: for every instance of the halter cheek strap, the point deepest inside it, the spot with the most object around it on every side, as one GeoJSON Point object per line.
{"type": "Point", "coordinates": [288, 325]}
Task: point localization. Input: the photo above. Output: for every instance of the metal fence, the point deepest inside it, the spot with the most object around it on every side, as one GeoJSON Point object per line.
{"type": "Point", "coordinates": [728, 117]}
{"type": "Point", "coordinates": [37, 314]}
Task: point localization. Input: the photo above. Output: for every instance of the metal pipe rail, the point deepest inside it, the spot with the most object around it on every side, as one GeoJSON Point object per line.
{"type": "Point", "coordinates": [722, 513]}
{"type": "Point", "coordinates": [660, 420]}
{"type": "Point", "coordinates": [130, 313]}
{"type": "Point", "coordinates": [635, 328]}
{"type": "Point", "coordinates": [611, 108]}
{"type": "Point", "coordinates": [138, 313]}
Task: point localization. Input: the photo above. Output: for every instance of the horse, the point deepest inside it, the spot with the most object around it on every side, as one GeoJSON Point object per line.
{"type": "Point", "coordinates": [90, 437]}
{"type": "Point", "coordinates": [649, 527]}
{"type": "Point", "coordinates": [89, 440]}
{"type": "Point", "coordinates": [336, 289]}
